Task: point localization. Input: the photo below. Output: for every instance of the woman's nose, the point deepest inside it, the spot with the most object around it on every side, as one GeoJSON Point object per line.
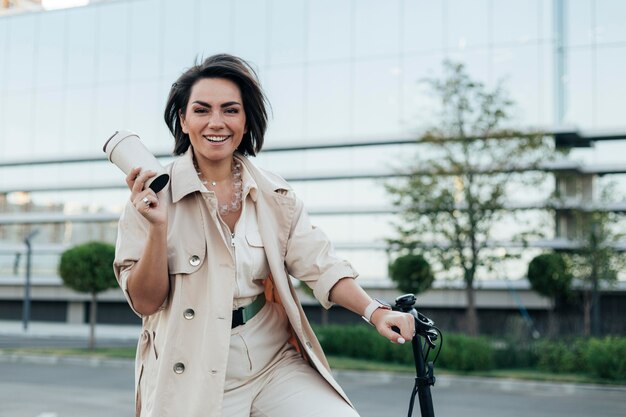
{"type": "Point", "coordinates": [216, 120]}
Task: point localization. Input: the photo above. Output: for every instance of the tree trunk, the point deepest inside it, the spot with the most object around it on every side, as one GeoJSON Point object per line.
{"type": "Point", "coordinates": [596, 324]}
{"type": "Point", "coordinates": [586, 313]}
{"type": "Point", "coordinates": [552, 324]}
{"type": "Point", "coordinates": [471, 318]}
{"type": "Point", "coordinates": [92, 321]}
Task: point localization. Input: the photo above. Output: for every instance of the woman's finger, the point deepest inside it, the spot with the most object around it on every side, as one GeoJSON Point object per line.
{"type": "Point", "coordinates": [140, 181]}
{"type": "Point", "coordinates": [132, 176]}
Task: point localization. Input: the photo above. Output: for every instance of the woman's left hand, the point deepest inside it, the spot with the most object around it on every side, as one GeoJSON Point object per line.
{"type": "Point", "coordinates": [384, 320]}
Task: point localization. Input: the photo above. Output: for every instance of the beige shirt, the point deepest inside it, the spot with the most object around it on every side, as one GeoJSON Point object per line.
{"type": "Point", "coordinates": [245, 243]}
{"type": "Point", "coordinates": [183, 348]}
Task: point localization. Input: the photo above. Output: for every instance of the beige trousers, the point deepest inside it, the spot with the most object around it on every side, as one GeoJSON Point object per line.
{"type": "Point", "coordinates": [267, 377]}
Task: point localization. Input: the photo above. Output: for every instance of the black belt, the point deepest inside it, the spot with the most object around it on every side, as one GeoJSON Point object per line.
{"type": "Point", "coordinates": [244, 314]}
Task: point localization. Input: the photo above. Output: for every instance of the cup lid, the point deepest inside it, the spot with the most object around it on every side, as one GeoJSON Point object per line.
{"type": "Point", "coordinates": [116, 138]}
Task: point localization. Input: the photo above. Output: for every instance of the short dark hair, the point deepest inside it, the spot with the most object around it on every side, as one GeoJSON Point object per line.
{"type": "Point", "coordinates": [231, 68]}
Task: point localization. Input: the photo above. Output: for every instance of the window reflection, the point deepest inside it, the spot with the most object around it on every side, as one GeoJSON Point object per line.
{"type": "Point", "coordinates": [285, 90]}
{"type": "Point", "coordinates": [287, 31]}
{"type": "Point", "coordinates": [376, 29]}
{"type": "Point", "coordinates": [329, 33]}
{"type": "Point", "coordinates": [611, 87]}
{"type": "Point", "coordinates": [50, 51]}
{"type": "Point", "coordinates": [113, 23]}
{"type": "Point", "coordinates": [20, 52]}
{"type": "Point", "coordinates": [464, 32]}
{"type": "Point", "coordinates": [81, 46]}
{"type": "Point", "coordinates": [329, 102]}
{"type": "Point", "coordinates": [377, 99]}
{"type": "Point", "coordinates": [144, 40]}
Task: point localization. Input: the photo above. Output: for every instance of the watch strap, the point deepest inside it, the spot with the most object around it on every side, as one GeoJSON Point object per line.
{"type": "Point", "coordinates": [373, 306]}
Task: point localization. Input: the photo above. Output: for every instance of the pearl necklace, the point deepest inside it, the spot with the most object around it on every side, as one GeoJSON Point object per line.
{"type": "Point", "coordinates": [235, 203]}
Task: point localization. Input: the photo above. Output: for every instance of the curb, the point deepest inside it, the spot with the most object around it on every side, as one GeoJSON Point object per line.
{"type": "Point", "coordinates": [90, 361]}
{"type": "Point", "coordinates": [443, 381]}
{"type": "Point", "coordinates": [499, 384]}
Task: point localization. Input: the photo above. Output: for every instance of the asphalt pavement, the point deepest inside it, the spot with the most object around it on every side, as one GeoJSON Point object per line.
{"type": "Point", "coordinates": [51, 386]}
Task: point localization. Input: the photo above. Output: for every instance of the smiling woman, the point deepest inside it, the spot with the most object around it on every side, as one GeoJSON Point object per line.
{"type": "Point", "coordinates": [206, 264]}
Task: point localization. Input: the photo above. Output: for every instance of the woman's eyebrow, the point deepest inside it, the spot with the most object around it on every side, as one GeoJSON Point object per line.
{"type": "Point", "coordinates": [227, 104]}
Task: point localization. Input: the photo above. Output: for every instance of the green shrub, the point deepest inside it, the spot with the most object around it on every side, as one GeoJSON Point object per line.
{"type": "Point", "coordinates": [510, 354]}
{"type": "Point", "coordinates": [606, 358]}
{"type": "Point", "coordinates": [465, 353]}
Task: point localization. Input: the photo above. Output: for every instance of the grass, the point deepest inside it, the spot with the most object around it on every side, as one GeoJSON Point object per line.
{"type": "Point", "coordinates": [340, 363]}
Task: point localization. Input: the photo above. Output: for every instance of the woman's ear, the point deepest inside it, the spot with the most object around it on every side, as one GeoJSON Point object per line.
{"type": "Point", "coordinates": [183, 122]}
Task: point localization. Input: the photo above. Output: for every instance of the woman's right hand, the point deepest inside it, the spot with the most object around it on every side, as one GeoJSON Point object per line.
{"type": "Point", "coordinates": [153, 210]}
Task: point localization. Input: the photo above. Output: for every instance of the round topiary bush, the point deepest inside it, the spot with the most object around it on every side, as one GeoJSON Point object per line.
{"type": "Point", "coordinates": [88, 268]}
{"type": "Point", "coordinates": [548, 275]}
{"type": "Point", "coordinates": [411, 273]}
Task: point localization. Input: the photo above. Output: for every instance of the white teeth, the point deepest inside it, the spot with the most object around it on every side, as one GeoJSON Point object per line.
{"type": "Point", "coordinates": [216, 139]}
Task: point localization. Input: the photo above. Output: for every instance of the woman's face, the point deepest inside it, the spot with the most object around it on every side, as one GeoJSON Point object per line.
{"type": "Point", "coordinates": [215, 119]}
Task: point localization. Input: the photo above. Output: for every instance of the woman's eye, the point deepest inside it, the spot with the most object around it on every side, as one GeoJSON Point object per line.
{"type": "Point", "coordinates": [200, 110]}
{"type": "Point", "coordinates": [232, 111]}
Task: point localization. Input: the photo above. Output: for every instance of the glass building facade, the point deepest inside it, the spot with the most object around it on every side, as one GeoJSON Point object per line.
{"type": "Point", "coordinates": [340, 71]}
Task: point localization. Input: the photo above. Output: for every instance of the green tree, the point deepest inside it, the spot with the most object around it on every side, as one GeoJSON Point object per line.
{"type": "Point", "coordinates": [456, 188]}
{"type": "Point", "coordinates": [549, 275]}
{"type": "Point", "coordinates": [88, 268]}
{"type": "Point", "coordinates": [598, 261]}
{"type": "Point", "coordinates": [411, 273]}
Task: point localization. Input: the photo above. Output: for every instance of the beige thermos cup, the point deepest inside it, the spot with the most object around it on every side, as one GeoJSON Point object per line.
{"type": "Point", "coordinates": [126, 150]}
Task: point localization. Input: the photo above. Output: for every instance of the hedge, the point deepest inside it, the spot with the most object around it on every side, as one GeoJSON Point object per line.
{"type": "Point", "coordinates": [603, 358]}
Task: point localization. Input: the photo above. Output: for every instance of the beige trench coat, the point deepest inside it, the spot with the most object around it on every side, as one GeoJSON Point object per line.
{"type": "Point", "coordinates": [183, 347]}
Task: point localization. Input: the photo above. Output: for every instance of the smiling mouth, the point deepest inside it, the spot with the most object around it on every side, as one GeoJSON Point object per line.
{"type": "Point", "coordinates": [216, 139]}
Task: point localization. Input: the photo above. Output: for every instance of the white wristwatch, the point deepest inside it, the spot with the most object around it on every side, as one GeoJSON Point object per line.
{"type": "Point", "coordinates": [373, 306]}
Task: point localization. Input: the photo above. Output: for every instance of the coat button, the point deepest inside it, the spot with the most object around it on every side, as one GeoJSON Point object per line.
{"type": "Point", "coordinates": [189, 313]}
{"type": "Point", "coordinates": [179, 368]}
{"type": "Point", "coordinates": [194, 260]}
{"type": "Point", "coordinates": [309, 345]}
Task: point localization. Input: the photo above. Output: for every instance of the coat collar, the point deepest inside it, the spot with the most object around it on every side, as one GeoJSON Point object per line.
{"type": "Point", "coordinates": [184, 179]}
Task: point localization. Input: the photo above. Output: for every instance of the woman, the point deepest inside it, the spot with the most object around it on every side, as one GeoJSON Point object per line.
{"type": "Point", "coordinates": [206, 264]}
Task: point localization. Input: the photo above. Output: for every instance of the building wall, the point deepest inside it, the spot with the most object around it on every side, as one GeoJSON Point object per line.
{"type": "Point", "coordinates": [341, 71]}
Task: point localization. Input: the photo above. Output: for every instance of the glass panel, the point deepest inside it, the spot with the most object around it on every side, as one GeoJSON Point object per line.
{"type": "Point", "coordinates": [518, 68]}
{"type": "Point", "coordinates": [419, 107]}
{"type": "Point", "coordinates": [285, 91]}
{"type": "Point", "coordinates": [249, 30]}
{"type": "Point", "coordinates": [113, 31]}
{"type": "Point", "coordinates": [287, 31]}
{"type": "Point", "coordinates": [4, 51]}
{"type": "Point", "coordinates": [329, 33]}
{"type": "Point", "coordinates": [81, 46]}
{"type": "Point", "coordinates": [579, 89]}
{"type": "Point", "coordinates": [145, 108]}
{"type": "Point", "coordinates": [48, 122]}
{"type": "Point", "coordinates": [515, 21]}
{"type": "Point", "coordinates": [111, 110]}
{"type": "Point", "coordinates": [214, 27]}
{"type": "Point", "coordinates": [610, 21]}
{"type": "Point", "coordinates": [422, 26]}
{"type": "Point", "coordinates": [144, 40]}
{"type": "Point", "coordinates": [611, 88]}
{"type": "Point", "coordinates": [79, 117]}
{"type": "Point", "coordinates": [377, 99]}
{"type": "Point", "coordinates": [20, 57]}
{"type": "Point", "coordinates": [177, 39]}
{"type": "Point", "coordinates": [50, 51]}
{"type": "Point", "coordinates": [18, 131]}
{"type": "Point", "coordinates": [329, 107]}
{"type": "Point", "coordinates": [376, 28]}
{"type": "Point", "coordinates": [578, 21]}
{"type": "Point", "coordinates": [467, 24]}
